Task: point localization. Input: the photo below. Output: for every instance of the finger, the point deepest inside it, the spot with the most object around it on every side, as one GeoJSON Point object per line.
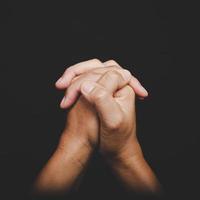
{"type": "Point", "coordinates": [76, 70]}
{"type": "Point", "coordinates": [111, 63]}
{"type": "Point", "coordinates": [80, 68]}
{"type": "Point", "coordinates": [126, 98]}
{"type": "Point", "coordinates": [103, 101]}
{"type": "Point", "coordinates": [138, 88]}
{"type": "Point", "coordinates": [133, 82]}
{"type": "Point", "coordinates": [113, 80]}
{"type": "Point", "coordinates": [124, 92]}
{"type": "Point", "coordinates": [86, 66]}
{"type": "Point", "coordinates": [73, 90]}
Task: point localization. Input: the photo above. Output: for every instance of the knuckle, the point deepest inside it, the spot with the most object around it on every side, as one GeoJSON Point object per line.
{"type": "Point", "coordinates": [114, 75]}
{"type": "Point", "coordinates": [70, 68]}
{"type": "Point", "coordinates": [96, 61]}
{"type": "Point", "coordinates": [116, 123]}
{"type": "Point", "coordinates": [127, 74]}
{"type": "Point", "coordinates": [112, 62]}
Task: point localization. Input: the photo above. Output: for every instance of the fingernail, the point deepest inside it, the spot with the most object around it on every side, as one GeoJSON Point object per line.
{"type": "Point", "coordinates": [144, 90]}
{"type": "Point", "coordinates": [88, 87]}
{"type": "Point", "coordinates": [63, 101]}
{"type": "Point", "coordinates": [59, 80]}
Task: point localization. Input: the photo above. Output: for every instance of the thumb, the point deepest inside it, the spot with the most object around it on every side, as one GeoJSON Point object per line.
{"type": "Point", "coordinates": [106, 107]}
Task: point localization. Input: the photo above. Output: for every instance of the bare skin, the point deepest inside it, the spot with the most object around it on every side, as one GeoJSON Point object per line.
{"type": "Point", "coordinates": [72, 72]}
{"type": "Point", "coordinates": [72, 154]}
{"type": "Point", "coordinates": [105, 116]}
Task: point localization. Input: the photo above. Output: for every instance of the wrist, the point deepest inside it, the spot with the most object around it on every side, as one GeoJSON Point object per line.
{"type": "Point", "coordinates": [129, 152]}
{"type": "Point", "coordinates": [132, 168]}
{"type": "Point", "coordinates": [76, 148]}
{"type": "Point", "coordinates": [77, 138]}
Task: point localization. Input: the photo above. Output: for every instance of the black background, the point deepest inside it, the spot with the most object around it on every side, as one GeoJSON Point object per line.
{"type": "Point", "coordinates": [40, 39]}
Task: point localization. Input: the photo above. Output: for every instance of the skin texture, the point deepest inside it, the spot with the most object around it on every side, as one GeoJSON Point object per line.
{"type": "Point", "coordinates": [84, 67]}
{"type": "Point", "coordinates": [104, 117]}
{"type": "Point", "coordinates": [72, 154]}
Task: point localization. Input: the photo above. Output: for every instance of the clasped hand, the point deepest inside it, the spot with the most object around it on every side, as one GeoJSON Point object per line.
{"type": "Point", "coordinates": [101, 99]}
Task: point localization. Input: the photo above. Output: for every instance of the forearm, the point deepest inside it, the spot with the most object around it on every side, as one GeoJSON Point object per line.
{"type": "Point", "coordinates": [134, 171]}
{"type": "Point", "coordinates": [64, 167]}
